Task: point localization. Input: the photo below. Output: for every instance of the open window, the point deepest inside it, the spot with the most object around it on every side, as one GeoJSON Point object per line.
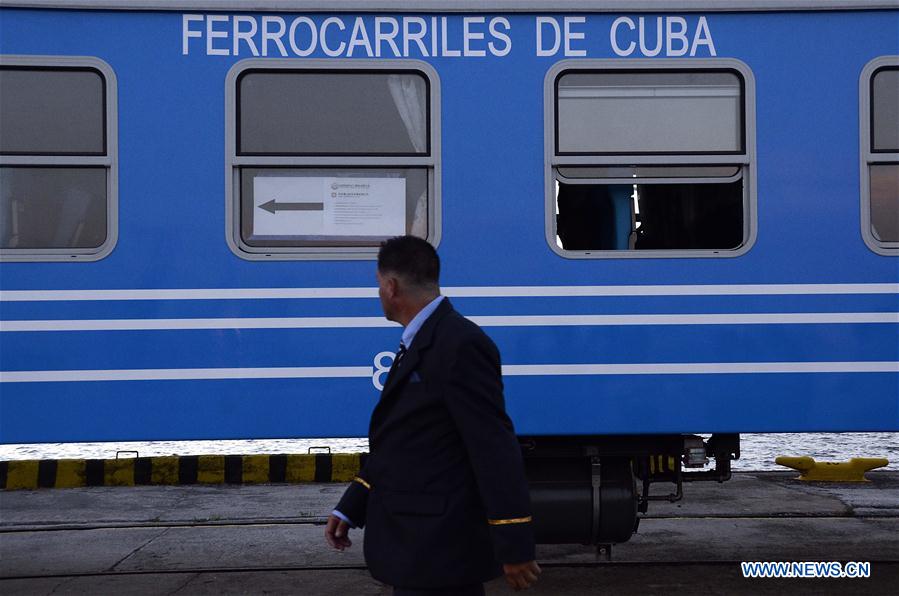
{"type": "Point", "coordinates": [879, 126]}
{"type": "Point", "coordinates": [650, 158]}
{"type": "Point", "coordinates": [329, 158]}
{"type": "Point", "coordinates": [58, 167]}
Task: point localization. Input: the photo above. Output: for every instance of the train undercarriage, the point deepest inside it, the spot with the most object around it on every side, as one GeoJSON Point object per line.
{"type": "Point", "coordinates": [592, 489]}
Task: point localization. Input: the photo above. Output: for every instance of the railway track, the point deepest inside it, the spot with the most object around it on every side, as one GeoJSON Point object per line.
{"type": "Point", "coordinates": [320, 521]}
{"type": "Point", "coordinates": [317, 568]}
{"type": "Point", "coordinates": [548, 563]}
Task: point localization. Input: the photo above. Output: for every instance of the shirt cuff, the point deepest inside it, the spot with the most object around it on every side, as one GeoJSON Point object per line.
{"type": "Point", "coordinates": [343, 517]}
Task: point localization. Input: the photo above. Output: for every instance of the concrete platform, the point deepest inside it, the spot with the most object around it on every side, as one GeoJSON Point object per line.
{"type": "Point", "coordinates": [256, 538]}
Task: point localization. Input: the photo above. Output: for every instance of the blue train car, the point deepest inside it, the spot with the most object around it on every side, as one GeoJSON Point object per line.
{"type": "Point", "coordinates": [671, 220]}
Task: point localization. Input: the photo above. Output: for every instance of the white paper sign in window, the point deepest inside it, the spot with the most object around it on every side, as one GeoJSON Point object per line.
{"type": "Point", "coordinates": [329, 206]}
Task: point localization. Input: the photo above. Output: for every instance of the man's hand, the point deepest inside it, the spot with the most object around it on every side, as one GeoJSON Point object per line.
{"type": "Point", "coordinates": [337, 533]}
{"type": "Point", "coordinates": [521, 576]}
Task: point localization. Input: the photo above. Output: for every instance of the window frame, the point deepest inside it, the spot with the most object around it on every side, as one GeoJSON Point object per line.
{"type": "Point", "coordinates": [868, 156]}
{"type": "Point", "coordinates": [745, 158]}
{"type": "Point", "coordinates": [234, 161]}
{"type": "Point", "coordinates": [108, 159]}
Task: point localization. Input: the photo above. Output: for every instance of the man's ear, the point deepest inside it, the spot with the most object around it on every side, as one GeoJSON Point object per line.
{"type": "Point", "coordinates": [393, 286]}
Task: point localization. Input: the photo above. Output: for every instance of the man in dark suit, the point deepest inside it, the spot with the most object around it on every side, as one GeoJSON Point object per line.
{"type": "Point", "coordinates": [442, 495]}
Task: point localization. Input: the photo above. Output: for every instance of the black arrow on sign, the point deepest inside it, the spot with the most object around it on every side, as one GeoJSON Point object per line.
{"type": "Point", "coordinates": [273, 206]}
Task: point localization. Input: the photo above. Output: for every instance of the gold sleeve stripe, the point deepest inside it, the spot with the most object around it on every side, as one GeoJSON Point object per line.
{"type": "Point", "coordinates": [362, 482]}
{"type": "Point", "coordinates": [514, 520]}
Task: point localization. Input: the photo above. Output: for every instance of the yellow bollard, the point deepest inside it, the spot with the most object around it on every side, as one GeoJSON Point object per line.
{"type": "Point", "coordinates": [826, 471]}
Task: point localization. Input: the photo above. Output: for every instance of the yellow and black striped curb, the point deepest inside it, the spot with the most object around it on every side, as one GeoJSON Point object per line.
{"type": "Point", "coordinates": [175, 469]}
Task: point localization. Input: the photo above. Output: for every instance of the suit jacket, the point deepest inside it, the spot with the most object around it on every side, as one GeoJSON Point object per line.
{"type": "Point", "coordinates": [442, 495]}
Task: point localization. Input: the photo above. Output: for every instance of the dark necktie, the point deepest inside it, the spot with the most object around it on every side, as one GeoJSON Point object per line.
{"type": "Point", "coordinates": [399, 355]}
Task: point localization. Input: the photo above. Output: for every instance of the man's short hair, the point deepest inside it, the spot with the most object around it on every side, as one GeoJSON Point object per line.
{"type": "Point", "coordinates": [411, 258]}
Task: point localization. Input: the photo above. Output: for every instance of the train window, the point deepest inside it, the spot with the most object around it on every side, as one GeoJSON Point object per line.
{"type": "Point", "coordinates": [650, 158]}
{"type": "Point", "coordinates": [58, 167]}
{"type": "Point", "coordinates": [326, 113]}
{"type": "Point", "coordinates": [56, 207]}
{"type": "Point", "coordinates": [51, 111]}
{"type": "Point", "coordinates": [879, 125]}
{"type": "Point", "coordinates": [648, 112]}
{"type": "Point", "coordinates": [327, 159]}
{"type": "Point", "coordinates": [262, 216]}
{"type": "Point", "coordinates": [885, 110]}
{"type": "Point", "coordinates": [885, 202]}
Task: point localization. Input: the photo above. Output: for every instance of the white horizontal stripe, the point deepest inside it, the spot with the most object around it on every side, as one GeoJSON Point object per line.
{"type": "Point", "coordinates": [686, 319]}
{"type": "Point", "coordinates": [452, 292]}
{"type": "Point", "coordinates": [186, 324]}
{"type": "Point", "coordinates": [484, 321]}
{"type": "Point", "coordinates": [672, 290]}
{"type": "Point", "coordinates": [343, 372]}
{"type": "Point", "coordinates": [189, 294]}
{"type": "Point", "coordinates": [698, 368]}
{"type": "Point", "coordinates": [455, 6]}
{"type": "Point", "coordinates": [187, 374]}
